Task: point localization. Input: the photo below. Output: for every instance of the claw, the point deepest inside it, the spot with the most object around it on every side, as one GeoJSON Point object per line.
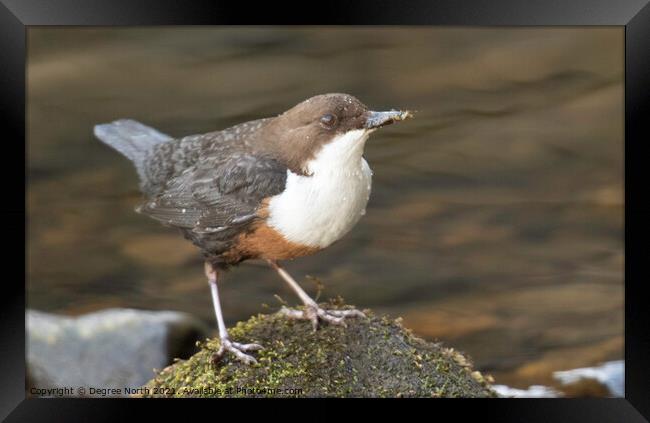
{"type": "Point", "coordinates": [238, 350]}
{"type": "Point", "coordinates": [247, 347]}
{"type": "Point", "coordinates": [347, 313]}
{"type": "Point", "coordinates": [313, 313]}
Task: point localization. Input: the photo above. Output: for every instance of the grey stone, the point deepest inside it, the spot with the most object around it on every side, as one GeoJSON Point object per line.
{"type": "Point", "coordinates": [112, 348]}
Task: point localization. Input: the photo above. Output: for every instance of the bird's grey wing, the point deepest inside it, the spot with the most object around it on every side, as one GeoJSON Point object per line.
{"type": "Point", "coordinates": [167, 160]}
{"type": "Point", "coordinates": [217, 194]}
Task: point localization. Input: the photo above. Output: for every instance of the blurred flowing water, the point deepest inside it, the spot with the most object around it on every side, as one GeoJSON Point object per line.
{"type": "Point", "coordinates": [496, 218]}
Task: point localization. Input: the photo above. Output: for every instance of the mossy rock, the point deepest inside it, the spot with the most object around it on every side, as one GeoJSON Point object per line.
{"type": "Point", "coordinates": [373, 357]}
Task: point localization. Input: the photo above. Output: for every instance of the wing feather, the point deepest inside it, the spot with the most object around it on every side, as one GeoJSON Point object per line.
{"type": "Point", "coordinates": [217, 194]}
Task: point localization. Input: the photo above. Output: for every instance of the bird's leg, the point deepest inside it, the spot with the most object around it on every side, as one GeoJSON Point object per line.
{"type": "Point", "coordinates": [312, 311]}
{"type": "Point", "coordinates": [226, 344]}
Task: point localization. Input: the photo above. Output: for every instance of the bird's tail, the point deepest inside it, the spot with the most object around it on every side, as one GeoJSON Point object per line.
{"type": "Point", "coordinates": [133, 139]}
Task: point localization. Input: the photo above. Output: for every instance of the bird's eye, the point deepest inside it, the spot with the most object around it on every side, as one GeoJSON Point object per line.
{"type": "Point", "coordinates": [328, 120]}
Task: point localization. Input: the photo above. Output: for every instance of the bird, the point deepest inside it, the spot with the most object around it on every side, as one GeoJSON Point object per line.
{"type": "Point", "coordinates": [270, 189]}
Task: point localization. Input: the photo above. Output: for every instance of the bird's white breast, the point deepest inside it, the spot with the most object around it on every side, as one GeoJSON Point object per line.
{"type": "Point", "coordinates": [319, 209]}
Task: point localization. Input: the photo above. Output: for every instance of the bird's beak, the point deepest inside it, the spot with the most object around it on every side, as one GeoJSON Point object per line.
{"type": "Point", "coordinates": [376, 120]}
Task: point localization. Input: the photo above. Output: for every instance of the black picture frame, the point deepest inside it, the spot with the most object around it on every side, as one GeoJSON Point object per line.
{"type": "Point", "coordinates": [634, 15]}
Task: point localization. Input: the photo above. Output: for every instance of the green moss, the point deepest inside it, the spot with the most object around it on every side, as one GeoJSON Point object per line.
{"type": "Point", "coordinates": [374, 357]}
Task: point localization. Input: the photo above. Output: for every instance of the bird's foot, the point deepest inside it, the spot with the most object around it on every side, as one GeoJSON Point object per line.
{"type": "Point", "coordinates": [314, 313]}
{"type": "Point", "coordinates": [237, 349]}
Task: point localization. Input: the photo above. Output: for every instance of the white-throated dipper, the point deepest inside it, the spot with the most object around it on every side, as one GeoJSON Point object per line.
{"type": "Point", "coordinates": [271, 189]}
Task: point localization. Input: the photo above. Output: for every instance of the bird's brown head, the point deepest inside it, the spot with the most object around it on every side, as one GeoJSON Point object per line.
{"type": "Point", "coordinates": [301, 132]}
